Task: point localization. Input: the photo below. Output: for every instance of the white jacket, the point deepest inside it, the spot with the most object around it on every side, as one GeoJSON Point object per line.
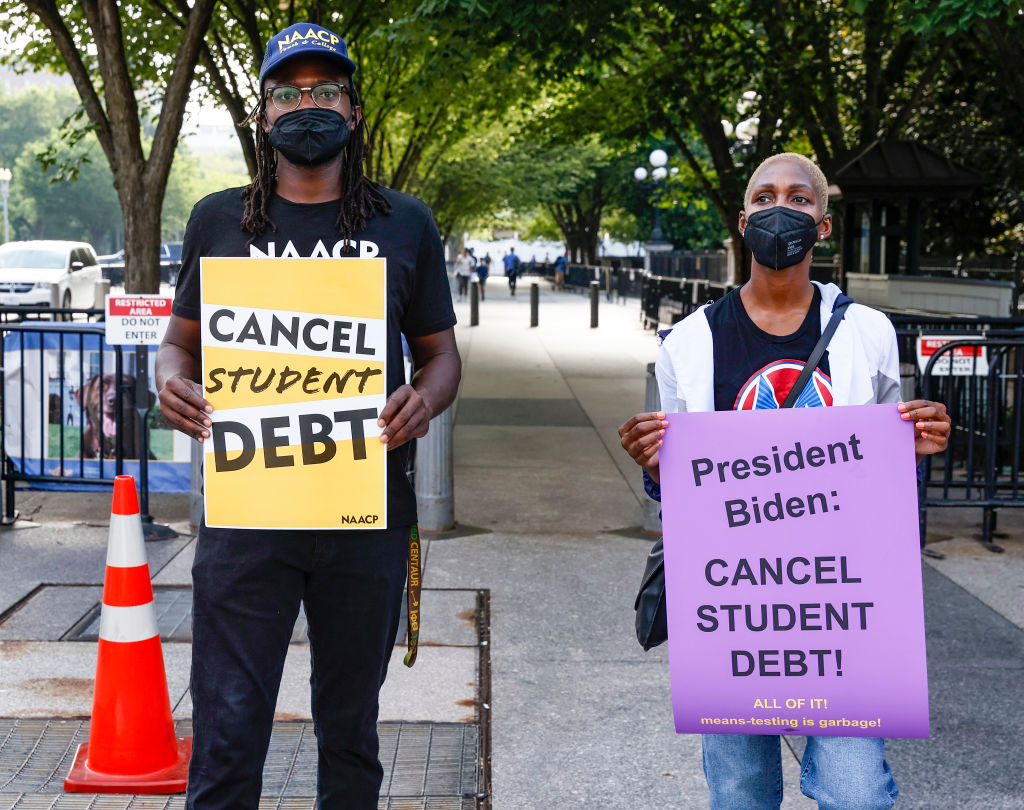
{"type": "Point", "coordinates": [863, 359]}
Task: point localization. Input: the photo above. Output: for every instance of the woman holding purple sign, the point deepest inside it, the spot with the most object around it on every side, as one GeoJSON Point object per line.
{"type": "Point", "coordinates": [748, 351]}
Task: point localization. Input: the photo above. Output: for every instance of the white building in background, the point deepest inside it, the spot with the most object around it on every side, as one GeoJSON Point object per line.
{"type": "Point", "coordinates": [541, 249]}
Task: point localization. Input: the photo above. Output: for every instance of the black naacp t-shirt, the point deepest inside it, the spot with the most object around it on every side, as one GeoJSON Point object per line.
{"type": "Point", "coordinates": [419, 298]}
{"type": "Point", "coordinates": [755, 370]}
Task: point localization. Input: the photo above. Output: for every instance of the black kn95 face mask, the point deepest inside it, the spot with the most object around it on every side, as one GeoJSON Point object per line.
{"type": "Point", "coordinates": [311, 136]}
{"type": "Point", "coordinates": [780, 237]}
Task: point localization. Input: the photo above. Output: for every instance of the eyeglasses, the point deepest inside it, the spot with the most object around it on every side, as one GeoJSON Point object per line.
{"type": "Point", "coordinates": [286, 97]}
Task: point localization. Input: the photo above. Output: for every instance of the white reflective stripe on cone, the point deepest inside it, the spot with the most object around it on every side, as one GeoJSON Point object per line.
{"type": "Point", "coordinates": [126, 624]}
{"type": "Point", "coordinates": [126, 548]}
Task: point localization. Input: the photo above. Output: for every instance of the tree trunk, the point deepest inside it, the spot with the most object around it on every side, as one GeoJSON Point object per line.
{"type": "Point", "coordinates": [573, 246]}
{"type": "Point", "coordinates": [581, 241]}
{"type": "Point", "coordinates": [141, 236]}
{"type": "Point", "coordinates": [1001, 40]}
{"type": "Point", "coordinates": [591, 237]}
{"type": "Point", "coordinates": [140, 181]}
{"type": "Point", "coordinates": [872, 54]}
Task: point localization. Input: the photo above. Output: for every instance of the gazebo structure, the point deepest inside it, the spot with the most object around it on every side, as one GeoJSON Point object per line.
{"type": "Point", "coordinates": [880, 188]}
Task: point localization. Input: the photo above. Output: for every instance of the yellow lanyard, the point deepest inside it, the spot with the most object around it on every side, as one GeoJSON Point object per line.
{"type": "Point", "coordinates": [413, 596]}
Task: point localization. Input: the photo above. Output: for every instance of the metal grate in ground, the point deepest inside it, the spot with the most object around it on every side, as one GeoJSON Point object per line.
{"type": "Point", "coordinates": [173, 608]}
{"type": "Point", "coordinates": [427, 766]}
{"type": "Point", "coordinates": [522, 412]}
{"type": "Point", "coordinates": [86, 801]}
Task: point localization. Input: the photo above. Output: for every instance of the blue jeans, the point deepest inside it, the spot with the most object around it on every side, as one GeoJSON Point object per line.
{"type": "Point", "coordinates": [744, 772]}
{"type": "Point", "coordinates": [247, 587]}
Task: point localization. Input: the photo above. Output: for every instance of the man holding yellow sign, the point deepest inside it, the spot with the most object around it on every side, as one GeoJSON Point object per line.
{"type": "Point", "coordinates": [284, 358]}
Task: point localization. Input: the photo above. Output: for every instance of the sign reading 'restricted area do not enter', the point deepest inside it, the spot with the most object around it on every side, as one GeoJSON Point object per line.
{"type": "Point", "coordinates": [137, 320]}
{"type": "Point", "coordinates": [294, 364]}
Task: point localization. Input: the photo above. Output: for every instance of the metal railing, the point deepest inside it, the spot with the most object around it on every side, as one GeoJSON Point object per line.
{"type": "Point", "coordinates": [911, 326]}
{"type": "Point", "coordinates": [46, 426]}
{"type": "Point", "coordinates": [990, 268]}
{"type": "Point", "coordinates": [35, 314]}
{"type": "Point", "coordinates": [707, 265]}
{"type": "Point", "coordinates": [665, 301]}
{"type": "Point", "coordinates": [615, 282]}
{"type": "Point", "coordinates": [983, 390]}
{"type": "Point", "coordinates": [75, 413]}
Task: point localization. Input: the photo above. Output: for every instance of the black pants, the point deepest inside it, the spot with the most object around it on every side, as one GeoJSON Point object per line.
{"type": "Point", "coordinates": [463, 284]}
{"type": "Point", "coordinates": [247, 587]}
{"type": "Point", "coordinates": [512, 282]}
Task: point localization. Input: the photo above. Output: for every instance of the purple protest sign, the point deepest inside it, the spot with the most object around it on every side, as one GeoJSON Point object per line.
{"type": "Point", "coordinates": [793, 573]}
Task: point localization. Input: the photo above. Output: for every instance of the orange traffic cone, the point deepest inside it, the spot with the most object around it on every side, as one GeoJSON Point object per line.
{"type": "Point", "coordinates": [132, 747]}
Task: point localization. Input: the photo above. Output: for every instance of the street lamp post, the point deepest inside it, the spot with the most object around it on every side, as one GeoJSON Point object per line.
{"type": "Point", "coordinates": [658, 158]}
{"type": "Point", "coordinates": [5, 189]}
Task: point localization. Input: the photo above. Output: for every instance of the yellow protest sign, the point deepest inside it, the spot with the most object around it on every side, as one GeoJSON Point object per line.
{"type": "Point", "coordinates": [295, 366]}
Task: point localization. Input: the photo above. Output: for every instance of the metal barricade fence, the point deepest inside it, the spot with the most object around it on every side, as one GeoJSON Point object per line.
{"type": "Point", "coordinates": [910, 326]}
{"type": "Point", "coordinates": [107, 432]}
{"type": "Point", "coordinates": [19, 314]}
{"type": "Point", "coordinates": [630, 283]}
{"type": "Point", "coordinates": [579, 276]}
{"type": "Point", "coordinates": [707, 265]}
{"type": "Point", "coordinates": [51, 432]}
{"type": "Point", "coordinates": [664, 300]}
{"type": "Point", "coordinates": [981, 381]}
{"type": "Point", "coordinates": [619, 282]}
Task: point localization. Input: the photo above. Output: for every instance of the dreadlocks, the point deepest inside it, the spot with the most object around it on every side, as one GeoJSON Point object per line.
{"type": "Point", "coordinates": [361, 198]}
{"type": "Point", "coordinates": [255, 219]}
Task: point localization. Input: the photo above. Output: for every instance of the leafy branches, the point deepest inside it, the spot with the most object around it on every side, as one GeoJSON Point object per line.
{"type": "Point", "coordinates": [115, 53]}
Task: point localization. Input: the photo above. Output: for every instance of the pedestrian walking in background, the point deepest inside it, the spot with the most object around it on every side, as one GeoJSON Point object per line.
{"type": "Point", "coordinates": [560, 264]}
{"type": "Point", "coordinates": [512, 265]}
{"type": "Point", "coordinates": [482, 270]}
{"type": "Point", "coordinates": [779, 315]}
{"type": "Point", "coordinates": [248, 584]}
{"type": "Point", "coordinates": [463, 270]}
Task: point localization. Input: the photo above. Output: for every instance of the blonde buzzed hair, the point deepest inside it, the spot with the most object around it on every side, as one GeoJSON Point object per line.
{"type": "Point", "coordinates": [818, 181]}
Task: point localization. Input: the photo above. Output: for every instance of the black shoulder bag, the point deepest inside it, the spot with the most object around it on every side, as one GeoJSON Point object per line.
{"type": "Point", "coordinates": [651, 619]}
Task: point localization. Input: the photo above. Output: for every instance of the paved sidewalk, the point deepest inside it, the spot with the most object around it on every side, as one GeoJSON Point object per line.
{"type": "Point", "coordinates": [582, 715]}
{"type": "Point", "coordinates": [549, 508]}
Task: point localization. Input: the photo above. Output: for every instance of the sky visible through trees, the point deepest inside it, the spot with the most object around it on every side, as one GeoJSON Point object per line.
{"type": "Point", "coordinates": [529, 115]}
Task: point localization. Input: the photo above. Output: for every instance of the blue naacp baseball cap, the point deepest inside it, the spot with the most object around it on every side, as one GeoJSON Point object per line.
{"type": "Point", "coordinates": [302, 39]}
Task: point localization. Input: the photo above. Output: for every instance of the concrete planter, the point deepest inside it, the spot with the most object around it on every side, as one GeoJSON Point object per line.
{"type": "Point", "coordinates": [956, 296]}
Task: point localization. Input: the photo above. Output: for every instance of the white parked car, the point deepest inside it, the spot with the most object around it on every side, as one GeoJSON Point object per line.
{"type": "Point", "coordinates": [28, 268]}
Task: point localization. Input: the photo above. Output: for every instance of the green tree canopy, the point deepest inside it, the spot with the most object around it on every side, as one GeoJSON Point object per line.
{"type": "Point", "coordinates": [543, 109]}
{"type": "Point", "coordinates": [831, 76]}
{"type": "Point", "coordinates": [73, 198]}
{"type": "Point", "coordinates": [126, 64]}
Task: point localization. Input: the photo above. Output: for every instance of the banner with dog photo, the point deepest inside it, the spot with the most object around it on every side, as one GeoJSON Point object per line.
{"type": "Point", "coordinates": [60, 411]}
